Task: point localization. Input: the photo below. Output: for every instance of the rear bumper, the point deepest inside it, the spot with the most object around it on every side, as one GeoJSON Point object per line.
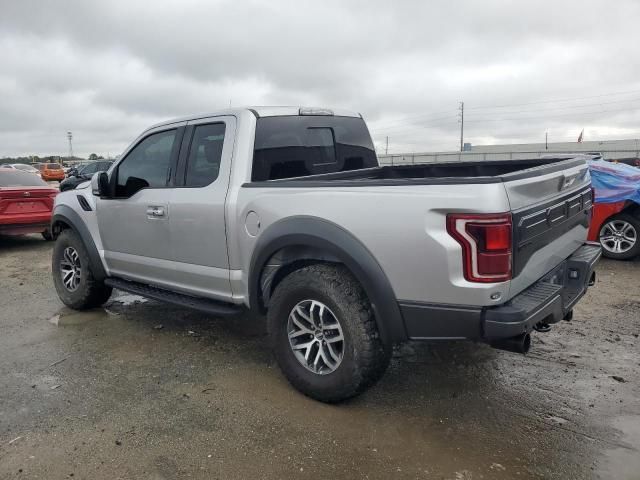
{"type": "Point", "coordinates": [23, 228]}
{"type": "Point", "coordinates": [56, 177]}
{"type": "Point", "coordinates": [548, 301]}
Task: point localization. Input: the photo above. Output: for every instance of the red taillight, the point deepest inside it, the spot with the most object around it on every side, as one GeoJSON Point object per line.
{"type": "Point", "coordinates": [486, 245]}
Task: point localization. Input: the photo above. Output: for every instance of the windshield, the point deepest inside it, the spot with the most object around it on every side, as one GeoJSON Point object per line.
{"type": "Point", "coordinates": [53, 166]}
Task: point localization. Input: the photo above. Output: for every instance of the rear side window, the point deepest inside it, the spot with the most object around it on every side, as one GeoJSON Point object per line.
{"type": "Point", "coordinates": [296, 146]}
{"type": "Point", "coordinates": [147, 165]}
{"type": "Point", "coordinates": [205, 155]}
{"type": "Point", "coordinates": [19, 178]}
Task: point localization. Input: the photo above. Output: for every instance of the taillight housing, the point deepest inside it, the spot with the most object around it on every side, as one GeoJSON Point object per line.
{"type": "Point", "coordinates": [486, 245]}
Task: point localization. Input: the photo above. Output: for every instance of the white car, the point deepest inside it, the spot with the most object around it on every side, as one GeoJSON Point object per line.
{"type": "Point", "coordinates": [24, 167]}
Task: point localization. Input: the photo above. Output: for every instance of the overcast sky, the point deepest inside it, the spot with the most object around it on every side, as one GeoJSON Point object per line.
{"type": "Point", "coordinates": [106, 70]}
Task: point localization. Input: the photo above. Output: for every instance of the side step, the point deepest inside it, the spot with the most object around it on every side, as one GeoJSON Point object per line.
{"type": "Point", "coordinates": [206, 305]}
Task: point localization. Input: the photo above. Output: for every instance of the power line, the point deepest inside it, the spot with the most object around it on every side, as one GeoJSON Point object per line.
{"type": "Point", "coordinates": [554, 101]}
{"type": "Point", "coordinates": [403, 124]}
{"type": "Point", "coordinates": [573, 114]}
{"type": "Point", "coordinates": [410, 117]}
{"type": "Point", "coordinates": [475, 119]}
{"type": "Point", "coordinates": [566, 107]}
{"type": "Point", "coordinates": [408, 120]}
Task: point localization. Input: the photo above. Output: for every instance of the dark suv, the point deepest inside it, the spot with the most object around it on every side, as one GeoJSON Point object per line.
{"type": "Point", "coordinates": [78, 175]}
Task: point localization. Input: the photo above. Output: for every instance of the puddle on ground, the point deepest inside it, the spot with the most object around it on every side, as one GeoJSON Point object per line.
{"type": "Point", "coordinates": [127, 299]}
{"type": "Point", "coordinates": [67, 316]}
{"type": "Point", "coordinates": [623, 463]}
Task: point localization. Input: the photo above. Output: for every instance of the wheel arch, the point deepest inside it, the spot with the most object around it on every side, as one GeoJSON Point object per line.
{"type": "Point", "coordinates": [632, 209]}
{"type": "Point", "coordinates": [65, 218]}
{"type": "Point", "coordinates": [295, 242]}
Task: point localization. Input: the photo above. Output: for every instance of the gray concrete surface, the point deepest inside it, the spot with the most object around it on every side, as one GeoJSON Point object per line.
{"type": "Point", "coordinates": [148, 391]}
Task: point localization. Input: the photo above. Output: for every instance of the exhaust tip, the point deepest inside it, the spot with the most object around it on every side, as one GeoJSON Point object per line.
{"type": "Point", "coordinates": [519, 344]}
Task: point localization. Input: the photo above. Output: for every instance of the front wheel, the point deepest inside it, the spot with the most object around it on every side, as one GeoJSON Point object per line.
{"type": "Point", "coordinates": [72, 275]}
{"type": "Point", "coordinates": [619, 237]}
{"type": "Point", "coordinates": [324, 333]}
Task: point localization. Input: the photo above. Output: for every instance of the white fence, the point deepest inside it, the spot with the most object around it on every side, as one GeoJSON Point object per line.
{"type": "Point", "coordinates": [446, 157]}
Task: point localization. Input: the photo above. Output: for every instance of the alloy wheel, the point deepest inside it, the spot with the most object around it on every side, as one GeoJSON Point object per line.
{"type": "Point", "coordinates": [316, 337]}
{"type": "Point", "coordinates": [70, 269]}
{"type": "Point", "coordinates": [618, 236]}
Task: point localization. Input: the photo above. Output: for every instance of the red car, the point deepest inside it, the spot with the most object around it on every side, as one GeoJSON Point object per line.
{"type": "Point", "coordinates": [26, 203]}
{"type": "Point", "coordinates": [617, 227]}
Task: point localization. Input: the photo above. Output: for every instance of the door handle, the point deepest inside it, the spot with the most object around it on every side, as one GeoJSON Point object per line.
{"type": "Point", "coordinates": [155, 211]}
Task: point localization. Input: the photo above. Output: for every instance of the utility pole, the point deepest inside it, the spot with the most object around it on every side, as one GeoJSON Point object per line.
{"type": "Point", "coordinates": [70, 138]}
{"type": "Point", "coordinates": [546, 140]}
{"type": "Point", "coordinates": [386, 146]}
{"type": "Point", "coordinates": [461, 126]}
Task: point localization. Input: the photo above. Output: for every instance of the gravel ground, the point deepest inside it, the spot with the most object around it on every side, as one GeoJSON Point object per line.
{"type": "Point", "coordinates": [148, 391]}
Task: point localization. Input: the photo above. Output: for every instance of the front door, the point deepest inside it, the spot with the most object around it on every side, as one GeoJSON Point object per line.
{"type": "Point", "coordinates": [134, 224]}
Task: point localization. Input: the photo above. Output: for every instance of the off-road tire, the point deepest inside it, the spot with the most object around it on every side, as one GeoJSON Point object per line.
{"type": "Point", "coordinates": [633, 251]}
{"type": "Point", "coordinates": [90, 293]}
{"type": "Point", "coordinates": [365, 358]}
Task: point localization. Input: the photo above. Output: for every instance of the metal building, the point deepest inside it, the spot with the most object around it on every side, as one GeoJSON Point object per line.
{"type": "Point", "coordinates": [610, 149]}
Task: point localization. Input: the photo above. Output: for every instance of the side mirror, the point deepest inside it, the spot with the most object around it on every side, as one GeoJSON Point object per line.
{"type": "Point", "coordinates": [72, 172]}
{"type": "Point", "coordinates": [100, 184]}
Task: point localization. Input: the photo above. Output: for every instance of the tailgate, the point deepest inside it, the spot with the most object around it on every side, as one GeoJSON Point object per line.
{"type": "Point", "coordinates": [551, 207]}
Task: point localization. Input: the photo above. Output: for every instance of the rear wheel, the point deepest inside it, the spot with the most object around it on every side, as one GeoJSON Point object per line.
{"type": "Point", "coordinates": [619, 237]}
{"type": "Point", "coordinates": [72, 275]}
{"type": "Point", "coordinates": [324, 334]}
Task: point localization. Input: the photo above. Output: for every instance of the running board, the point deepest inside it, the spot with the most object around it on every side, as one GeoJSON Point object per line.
{"type": "Point", "coordinates": [206, 305]}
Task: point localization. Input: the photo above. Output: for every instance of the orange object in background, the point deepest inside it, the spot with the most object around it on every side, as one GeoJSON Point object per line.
{"type": "Point", "coordinates": [51, 171]}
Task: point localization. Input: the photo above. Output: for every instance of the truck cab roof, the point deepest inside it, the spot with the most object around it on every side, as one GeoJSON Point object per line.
{"type": "Point", "coordinates": [263, 111]}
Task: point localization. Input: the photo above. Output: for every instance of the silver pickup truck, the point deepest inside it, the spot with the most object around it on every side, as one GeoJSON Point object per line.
{"type": "Point", "coordinates": [285, 212]}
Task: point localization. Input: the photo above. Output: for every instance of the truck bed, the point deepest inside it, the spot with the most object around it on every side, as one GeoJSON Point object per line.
{"type": "Point", "coordinates": [430, 174]}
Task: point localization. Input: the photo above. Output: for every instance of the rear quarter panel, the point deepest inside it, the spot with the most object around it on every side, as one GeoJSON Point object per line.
{"type": "Point", "coordinates": [403, 227]}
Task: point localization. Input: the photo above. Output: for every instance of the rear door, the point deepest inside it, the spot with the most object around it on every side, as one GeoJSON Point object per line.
{"type": "Point", "coordinates": [551, 208]}
{"type": "Point", "coordinates": [197, 220]}
{"type": "Point", "coordinates": [134, 225]}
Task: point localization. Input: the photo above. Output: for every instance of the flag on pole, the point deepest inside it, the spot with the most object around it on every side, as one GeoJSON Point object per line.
{"type": "Point", "coordinates": [580, 136]}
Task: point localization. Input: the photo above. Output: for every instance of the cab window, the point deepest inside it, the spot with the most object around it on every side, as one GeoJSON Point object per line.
{"type": "Point", "coordinates": [146, 165]}
{"type": "Point", "coordinates": [205, 155]}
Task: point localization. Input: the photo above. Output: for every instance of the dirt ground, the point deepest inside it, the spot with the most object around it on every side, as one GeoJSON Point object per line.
{"type": "Point", "coordinates": [148, 391]}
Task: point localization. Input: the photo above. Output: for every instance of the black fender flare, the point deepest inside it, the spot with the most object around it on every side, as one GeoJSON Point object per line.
{"type": "Point", "coordinates": [65, 214]}
{"type": "Point", "coordinates": [327, 236]}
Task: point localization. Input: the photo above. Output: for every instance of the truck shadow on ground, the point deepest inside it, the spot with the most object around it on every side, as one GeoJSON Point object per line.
{"type": "Point", "coordinates": [420, 371]}
{"type": "Point", "coordinates": [176, 372]}
{"type": "Point", "coordinates": [22, 243]}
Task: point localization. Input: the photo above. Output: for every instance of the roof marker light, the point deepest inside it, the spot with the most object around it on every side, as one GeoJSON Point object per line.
{"type": "Point", "coordinates": [314, 111]}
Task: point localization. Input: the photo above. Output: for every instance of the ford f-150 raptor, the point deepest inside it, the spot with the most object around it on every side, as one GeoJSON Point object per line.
{"type": "Point", "coordinates": [285, 211]}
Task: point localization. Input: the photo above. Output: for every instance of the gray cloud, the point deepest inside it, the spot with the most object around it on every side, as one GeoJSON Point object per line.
{"type": "Point", "coordinates": [108, 69]}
